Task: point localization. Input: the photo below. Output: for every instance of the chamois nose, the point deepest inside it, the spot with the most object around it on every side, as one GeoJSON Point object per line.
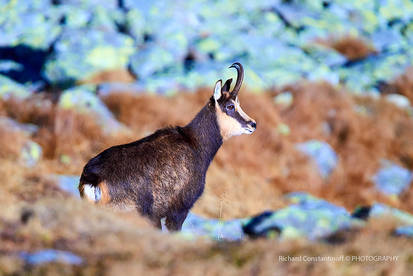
{"type": "Point", "coordinates": [254, 125]}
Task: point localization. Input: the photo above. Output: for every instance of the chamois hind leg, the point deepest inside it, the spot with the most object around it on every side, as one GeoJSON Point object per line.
{"type": "Point", "coordinates": [175, 220]}
{"type": "Point", "coordinates": [157, 223]}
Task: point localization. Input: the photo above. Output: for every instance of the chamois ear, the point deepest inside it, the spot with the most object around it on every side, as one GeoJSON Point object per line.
{"type": "Point", "coordinates": [217, 90]}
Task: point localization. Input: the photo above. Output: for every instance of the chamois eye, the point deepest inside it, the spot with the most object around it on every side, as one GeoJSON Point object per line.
{"type": "Point", "coordinates": [230, 107]}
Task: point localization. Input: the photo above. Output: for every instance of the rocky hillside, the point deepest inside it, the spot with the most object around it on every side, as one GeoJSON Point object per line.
{"type": "Point", "coordinates": [327, 173]}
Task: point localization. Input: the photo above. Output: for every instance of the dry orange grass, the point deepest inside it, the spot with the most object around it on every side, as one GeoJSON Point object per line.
{"type": "Point", "coordinates": [117, 75]}
{"type": "Point", "coordinates": [250, 174]}
{"type": "Point", "coordinates": [402, 84]}
{"type": "Point", "coordinates": [354, 48]}
{"type": "Point", "coordinates": [118, 244]}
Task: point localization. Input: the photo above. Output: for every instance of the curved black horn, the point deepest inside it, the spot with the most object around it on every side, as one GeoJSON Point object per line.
{"type": "Point", "coordinates": [240, 77]}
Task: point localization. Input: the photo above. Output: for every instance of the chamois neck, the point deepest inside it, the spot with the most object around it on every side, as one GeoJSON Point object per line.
{"type": "Point", "coordinates": [205, 133]}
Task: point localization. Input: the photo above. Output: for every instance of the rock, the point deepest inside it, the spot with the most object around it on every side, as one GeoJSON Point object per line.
{"type": "Point", "coordinates": [10, 88]}
{"type": "Point", "coordinates": [404, 231]}
{"type": "Point", "coordinates": [398, 100]}
{"type": "Point", "coordinates": [68, 183]}
{"type": "Point", "coordinates": [309, 217]}
{"type": "Point", "coordinates": [283, 129]}
{"type": "Point", "coordinates": [153, 59]}
{"type": "Point", "coordinates": [363, 76]}
{"type": "Point", "coordinates": [105, 89]}
{"type": "Point", "coordinates": [275, 40]}
{"type": "Point", "coordinates": [379, 210]}
{"type": "Point", "coordinates": [12, 125]}
{"type": "Point", "coordinates": [96, 51]}
{"type": "Point", "coordinates": [285, 99]}
{"type": "Point", "coordinates": [9, 65]}
{"type": "Point", "coordinates": [213, 228]}
{"type": "Point", "coordinates": [27, 24]}
{"type": "Point", "coordinates": [83, 99]}
{"type": "Point", "coordinates": [50, 256]}
{"type": "Point", "coordinates": [322, 154]}
{"type": "Point", "coordinates": [31, 153]}
{"type": "Point", "coordinates": [392, 179]}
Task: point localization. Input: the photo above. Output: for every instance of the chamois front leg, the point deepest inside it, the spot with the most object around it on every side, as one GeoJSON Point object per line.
{"type": "Point", "coordinates": [175, 220]}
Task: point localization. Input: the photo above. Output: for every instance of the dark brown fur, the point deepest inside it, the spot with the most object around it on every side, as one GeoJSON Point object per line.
{"type": "Point", "coordinates": [164, 173]}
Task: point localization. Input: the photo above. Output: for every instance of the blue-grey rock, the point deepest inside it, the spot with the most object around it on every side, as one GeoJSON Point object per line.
{"type": "Point", "coordinates": [398, 100]}
{"type": "Point", "coordinates": [308, 217]}
{"type": "Point", "coordinates": [9, 65]}
{"type": "Point", "coordinates": [380, 210]}
{"type": "Point", "coordinates": [105, 89]}
{"type": "Point", "coordinates": [386, 39]}
{"type": "Point", "coordinates": [96, 51]}
{"type": "Point", "coordinates": [31, 153]}
{"type": "Point", "coordinates": [26, 23]}
{"type": "Point", "coordinates": [150, 60]}
{"type": "Point", "coordinates": [68, 183]}
{"type": "Point", "coordinates": [83, 99]}
{"type": "Point", "coordinates": [392, 179]}
{"type": "Point", "coordinates": [50, 256]}
{"type": "Point", "coordinates": [364, 75]}
{"type": "Point", "coordinates": [322, 154]}
{"type": "Point", "coordinates": [10, 88]}
{"type": "Point", "coordinates": [12, 125]}
{"type": "Point", "coordinates": [219, 230]}
{"type": "Point", "coordinates": [284, 99]}
{"type": "Point", "coordinates": [404, 231]}
{"type": "Point", "coordinates": [275, 40]}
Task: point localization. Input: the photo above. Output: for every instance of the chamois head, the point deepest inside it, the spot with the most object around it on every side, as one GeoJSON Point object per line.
{"type": "Point", "coordinates": [232, 120]}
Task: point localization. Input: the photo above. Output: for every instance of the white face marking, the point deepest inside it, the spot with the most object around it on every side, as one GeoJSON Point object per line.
{"type": "Point", "coordinates": [229, 126]}
{"type": "Point", "coordinates": [243, 114]}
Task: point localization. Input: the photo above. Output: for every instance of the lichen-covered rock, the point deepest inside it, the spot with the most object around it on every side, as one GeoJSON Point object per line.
{"type": "Point", "coordinates": [392, 179]}
{"type": "Point", "coordinates": [50, 256]}
{"type": "Point", "coordinates": [153, 59]}
{"type": "Point", "coordinates": [308, 217]}
{"type": "Point", "coordinates": [12, 125]}
{"type": "Point", "coordinates": [68, 183]}
{"type": "Point", "coordinates": [26, 23]}
{"type": "Point", "coordinates": [31, 153]}
{"type": "Point", "coordinates": [404, 231]}
{"type": "Point", "coordinates": [285, 99]}
{"type": "Point", "coordinates": [10, 88]}
{"type": "Point", "coordinates": [95, 51]}
{"type": "Point", "coordinates": [322, 154]}
{"type": "Point", "coordinates": [380, 210]}
{"type": "Point", "coordinates": [219, 230]}
{"type": "Point", "coordinates": [84, 99]}
{"type": "Point", "coordinates": [9, 65]}
{"type": "Point", "coordinates": [398, 100]}
{"type": "Point", "coordinates": [105, 89]}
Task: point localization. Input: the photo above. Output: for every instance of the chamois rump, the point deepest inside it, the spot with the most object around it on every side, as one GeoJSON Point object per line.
{"type": "Point", "coordinates": [163, 174]}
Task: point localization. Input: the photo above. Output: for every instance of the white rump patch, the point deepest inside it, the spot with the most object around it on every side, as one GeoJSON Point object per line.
{"type": "Point", "coordinates": [92, 193]}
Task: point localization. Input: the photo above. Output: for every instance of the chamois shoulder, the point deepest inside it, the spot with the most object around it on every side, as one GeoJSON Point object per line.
{"type": "Point", "coordinates": [161, 139]}
{"type": "Point", "coordinates": [168, 134]}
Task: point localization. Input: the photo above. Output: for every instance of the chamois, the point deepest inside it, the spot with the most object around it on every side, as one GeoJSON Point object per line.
{"type": "Point", "coordinates": [163, 174]}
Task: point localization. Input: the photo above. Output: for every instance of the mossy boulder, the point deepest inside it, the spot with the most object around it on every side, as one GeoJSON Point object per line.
{"type": "Point", "coordinates": [96, 51]}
